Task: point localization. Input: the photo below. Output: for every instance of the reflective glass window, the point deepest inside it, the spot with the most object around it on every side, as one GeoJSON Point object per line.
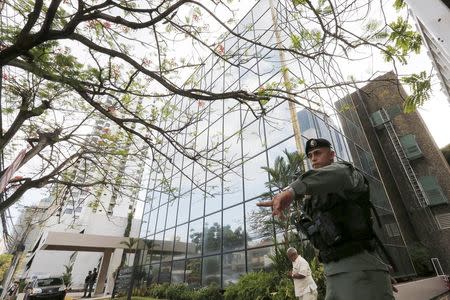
{"type": "Point", "coordinates": [171, 213]}
{"type": "Point", "coordinates": [232, 187]}
{"type": "Point", "coordinates": [197, 203]}
{"type": "Point", "coordinates": [169, 238]}
{"type": "Point", "coordinates": [180, 241]}
{"type": "Point", "coordinates": [164, 273]}
{"type": "Point", "coordinates": [183, 210]}
{"type": "Point", "coordinates": [193, 272]}
{"type": "Point", "coordinates": [259, 225]}
{"type": "Point", "coordinates": [255, 177]}
{"type": "Point", "coordinates": [211, 270]}
{"type": "Point", "coordinates": [233, 267]}
{"type": "Point", "coordinates": [154, 271]}
{"type": "Point", "coordinates": [195, 238]}
{"type": "Point", "coordinates": [213, 233]}
{"type": "Point", "coordinates": [279, 125]}
{"type": "Point", "coordinates": [233, 228]}
{"type": "Point", "coordinates": [213, 195]}
{"type": "Point", "coordinates": [161, 218]}
{"type": "Point", "coordinates": [253, 139]}
{"type": "Point", "coordinates": [178, 271]}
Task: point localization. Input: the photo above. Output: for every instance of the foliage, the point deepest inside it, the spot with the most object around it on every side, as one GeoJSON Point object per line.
{"type": "Point", "coordinates": [446, 153]}
{"type": "Point", "coordinates": [133, 298]}
{"type": "Point", "coordinates": [67, 275]}
{"type": "Point", "coordinates": [318, 275]}
{"type": "Point", "coordinates": [178, 291]}
{"type": "Point", "coordinates": [131, 243]}
{"type": "Point", "coordinates": [182, 291]}
{"type": "Point", "coordinates": [210, 292]}
{"type": "Point", "coordinates": [405, 41]}
{"type": "Point", "coordinates": [421, 88]}
{"type": "Point", "coordinates": [399, 4]}
{"type": "Point", "coordinates": [257, 285]}
{"type": "Point", "coordinates": [129, 223]}
{"type": "Point", "coordinates": [284, 290]}
{"type": "Point", "coordinates": [285, 169]}
{"type": "Point", "coordinates": [280, 261]}
{"type": "Point", "coordinates": [158, 290]}
{"type": "Point", "coordinates": [5, 262]}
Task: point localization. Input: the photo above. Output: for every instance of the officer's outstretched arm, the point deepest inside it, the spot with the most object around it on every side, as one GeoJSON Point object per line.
{"type": "Point", "coordinates": [279, 202]}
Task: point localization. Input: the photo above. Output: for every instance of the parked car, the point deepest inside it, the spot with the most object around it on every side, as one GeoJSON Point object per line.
{"type": "Point", "coordinates": [51, 288]}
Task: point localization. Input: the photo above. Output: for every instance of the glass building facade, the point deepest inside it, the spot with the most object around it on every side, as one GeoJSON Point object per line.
{"type": "Point", "coordinates": [203, 221]}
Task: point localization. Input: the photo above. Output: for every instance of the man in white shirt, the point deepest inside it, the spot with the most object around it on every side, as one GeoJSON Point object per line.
{"type": "Point", "coordinates": [304, 285]}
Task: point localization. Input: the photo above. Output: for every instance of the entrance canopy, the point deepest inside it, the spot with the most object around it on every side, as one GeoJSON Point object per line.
{"type": "Point", "coordinates": [67, 241]}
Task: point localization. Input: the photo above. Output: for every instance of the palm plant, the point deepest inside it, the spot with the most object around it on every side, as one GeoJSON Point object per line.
{"type": "Point", "coordinates": [284, 171]}
{"type": "Point", "coordinates": [67, 275]}
{"type": "Point", "coordinates": [130, 245]}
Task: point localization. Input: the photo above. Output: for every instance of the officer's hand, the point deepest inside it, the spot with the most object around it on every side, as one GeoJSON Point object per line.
{"type": "Point", "coordinates": [279, 203]}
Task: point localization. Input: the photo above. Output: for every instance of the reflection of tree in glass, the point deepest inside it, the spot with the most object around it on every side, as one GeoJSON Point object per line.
{"type": "Point", "coordinates": [233, 238]}
{"type": "Point", "coordinates": [193, 271]}
{"type": "Point", "coordinates": [196, 238]}
{"type": "Point", "coordinates": [211, 265]}
{"type": "Point", "coordinates": [212, 238]}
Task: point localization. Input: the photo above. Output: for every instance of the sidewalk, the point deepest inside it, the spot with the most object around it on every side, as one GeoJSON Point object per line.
{"type": "Point", "coordinates": [78, 295]}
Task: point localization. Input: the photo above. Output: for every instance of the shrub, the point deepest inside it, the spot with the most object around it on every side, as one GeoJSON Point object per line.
{"type": "Point", "coordinates": [258, 286]}
{"type": "Point", "coordinates": [178, 291]}
{"type": "Point", "coordinates": [158, 290]}
{"type": "Point", "coordinates": [211, 292]}
{"type": "Point", "coordinates": [318, 275]}
{"type": "Point", "coordinates": [284, 290]}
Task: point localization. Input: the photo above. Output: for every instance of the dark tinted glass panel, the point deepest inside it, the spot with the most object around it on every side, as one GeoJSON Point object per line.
{"type": "Point", "coordinates": [211, 270]}
{"type": "Point", "coordinates": [233, 267]}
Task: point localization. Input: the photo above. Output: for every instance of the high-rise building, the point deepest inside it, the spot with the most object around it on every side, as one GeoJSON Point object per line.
{"type": "Point", "coordinates": [317, 124]}
{"type": "Point", "coordinates": [433, 21]}
{"type": "Point", "coordinates": [106, 210]}
{"type": "Point", "coordinates": [213, 210]}
{"type": "Point", "coordinates": [414, 172]}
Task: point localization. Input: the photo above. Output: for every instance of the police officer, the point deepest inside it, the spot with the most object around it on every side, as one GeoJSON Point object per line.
{"type": "Point", "coordinates": [337, 221]}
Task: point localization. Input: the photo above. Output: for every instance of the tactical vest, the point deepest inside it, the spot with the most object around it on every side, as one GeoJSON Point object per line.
{"type": "Point", "coordinates": [339, 227]}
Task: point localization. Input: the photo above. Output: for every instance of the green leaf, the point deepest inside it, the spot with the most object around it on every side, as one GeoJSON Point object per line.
{"type": "Point", "coordinates": [295, 40]}
{"type": "Point", "coordinates": [399, 4]}
{"type": "Point", "coordinates": [421, 88]}
{"type": "Point", "coordinates": [298, 2]}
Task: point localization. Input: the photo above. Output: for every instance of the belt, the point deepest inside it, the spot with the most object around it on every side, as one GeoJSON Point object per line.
{"type": "Point", "coordinates": [347, 249]}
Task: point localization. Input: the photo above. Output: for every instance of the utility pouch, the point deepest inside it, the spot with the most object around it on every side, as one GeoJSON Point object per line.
{"type": "Point", "coordinates": [305, 225]}
{"type": "Point", "coordinates": [330, 233]}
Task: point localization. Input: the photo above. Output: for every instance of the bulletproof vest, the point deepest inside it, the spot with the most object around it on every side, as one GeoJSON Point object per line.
{"type": "Point", "coordinates": [339, 227]}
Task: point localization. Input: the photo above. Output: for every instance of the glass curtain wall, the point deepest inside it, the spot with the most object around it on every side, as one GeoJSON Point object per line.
{"type": "Point", "coordinates": [201, 223]}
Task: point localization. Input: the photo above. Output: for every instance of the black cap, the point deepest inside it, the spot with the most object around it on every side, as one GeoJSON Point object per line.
{"type": "Point", "coordinates": [312, 144]}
